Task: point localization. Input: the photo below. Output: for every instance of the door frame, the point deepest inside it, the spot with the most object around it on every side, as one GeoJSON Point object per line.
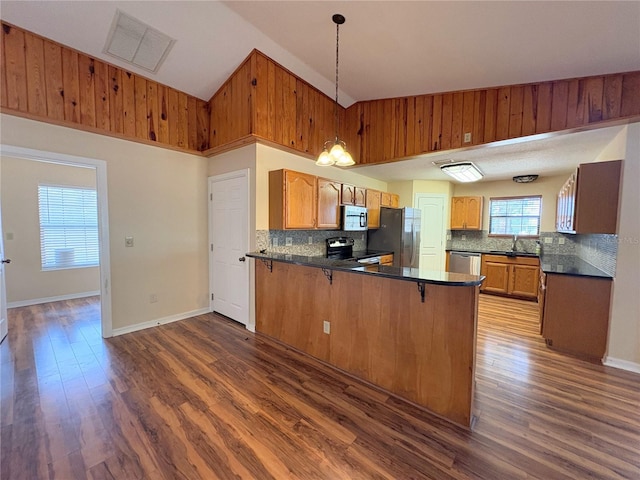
{"type": "Point", "coordinates": [445, 217]}
{"type": "Point", "coordinates": [100, 167]}
{"type": "Point", "coordinates": [246, 173]}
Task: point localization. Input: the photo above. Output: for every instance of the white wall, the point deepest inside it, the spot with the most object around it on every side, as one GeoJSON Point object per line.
{"type": "Point", "coordinates": [156, 195]}
{"type": "Point", "coordinates": [624, 328]}
{"type": "Point", "coordinates": [25, 280]}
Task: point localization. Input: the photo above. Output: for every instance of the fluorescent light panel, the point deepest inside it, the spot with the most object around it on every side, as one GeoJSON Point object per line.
{"type": "Point", "coordinates": [137, 43]}
{"type": "Point", "coordinates": [463, 172]}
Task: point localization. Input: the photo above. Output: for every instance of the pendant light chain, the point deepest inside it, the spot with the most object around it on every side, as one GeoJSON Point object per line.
{"type": "Point", "coordinates": [335, 107]}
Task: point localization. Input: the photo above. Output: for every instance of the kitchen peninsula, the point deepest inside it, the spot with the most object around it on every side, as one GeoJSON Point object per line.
{"type": "Point", "coordinates": [409, 331]}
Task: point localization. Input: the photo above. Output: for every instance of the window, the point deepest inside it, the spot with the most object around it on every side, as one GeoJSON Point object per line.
{"type": "Point", "coordinates": [68, 227]}
{"type": "Point", "coordinates": [515, 216]}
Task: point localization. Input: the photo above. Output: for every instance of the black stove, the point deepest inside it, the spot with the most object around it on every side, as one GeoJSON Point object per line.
{"type": "Point", "coordinates": [341, 248]}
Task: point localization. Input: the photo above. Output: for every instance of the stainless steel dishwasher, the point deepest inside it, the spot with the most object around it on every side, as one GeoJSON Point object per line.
{"type": "Point", "coordinates": [464, 262]}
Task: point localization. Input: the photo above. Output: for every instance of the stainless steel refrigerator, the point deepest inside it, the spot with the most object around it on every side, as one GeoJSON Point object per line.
{"type": "Point", "coordinates": [399, 232]}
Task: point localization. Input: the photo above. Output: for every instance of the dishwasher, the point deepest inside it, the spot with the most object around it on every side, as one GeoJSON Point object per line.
{"type": "Point", "coordinates": [464, 262]}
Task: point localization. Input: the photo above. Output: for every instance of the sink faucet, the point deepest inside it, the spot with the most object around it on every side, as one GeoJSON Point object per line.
{"type": "Point", "coordinates": [513, 243]}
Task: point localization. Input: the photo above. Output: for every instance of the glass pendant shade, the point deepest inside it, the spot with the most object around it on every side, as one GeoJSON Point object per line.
{"type": "Point", "coordinates": [325, 160]}
{"type": "Point", "coordinates": [345, 160]}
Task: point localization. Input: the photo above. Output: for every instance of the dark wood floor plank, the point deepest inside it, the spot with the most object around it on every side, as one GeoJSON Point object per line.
{"type": "Point", "coordinates": [204, 398]}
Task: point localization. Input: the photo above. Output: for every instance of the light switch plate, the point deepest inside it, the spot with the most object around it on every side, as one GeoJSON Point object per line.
{"type": "Point", "coordinates": [288, 241]}
{"type": "Point", "coordinates": [561, 241]}
{"type": "Point", "coordinates": [310, 240]}
{"type": "Point", "coordinates": [548, 239]}
{"type": "Point", "coordinates": [128, 241]}
{"type": "Point", "coordinates": [326, 327]}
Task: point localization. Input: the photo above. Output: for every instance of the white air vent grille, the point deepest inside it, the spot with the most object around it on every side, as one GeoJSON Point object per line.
{"type": "Point", "coordinates": [137, 43]}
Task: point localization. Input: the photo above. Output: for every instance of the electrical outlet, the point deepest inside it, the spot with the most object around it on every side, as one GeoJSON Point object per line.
{"type": "Point", "coordinates": [310, 240]}
{"type": "Point", "coordinates": [288, 241]}
{"type": "Point", "coordinates": [274, 241]}
{"type": "Point", "coordinates": [326, 327]}
{"type": "Point", "coordinates": [153, 298]}
{"type": "Point", "coordinates": [561, 241]}
{"type": "Point", "coordinates": [467, 137]}
{"type": "Point", "coordinates": [548, 239]}
{"type": "Point", "coordinates": [463, 237]}
{"type": "Point", "coordinates": [128, 241]}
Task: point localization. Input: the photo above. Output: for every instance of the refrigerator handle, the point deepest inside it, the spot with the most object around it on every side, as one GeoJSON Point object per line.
{"type": "Point", "coordinates": [413, 244]}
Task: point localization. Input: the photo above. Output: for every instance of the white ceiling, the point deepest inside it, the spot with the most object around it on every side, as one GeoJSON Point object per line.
{"type": "Point", "coordinates": [387, 49]}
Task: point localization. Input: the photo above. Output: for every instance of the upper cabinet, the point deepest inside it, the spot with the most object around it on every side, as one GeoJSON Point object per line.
{"type": "Point", "coordinates": [352, 195]}
{"type": "Point", "coordinates": [466, 213]}
{"type": "Point", "coordinates": [588, 201]}
{"type": "Point", "coordinates": [329, 195]}
{"type": "Point", "coordinates": [373, 208]}
{"type": "Point", "coordinates": [292, 200]}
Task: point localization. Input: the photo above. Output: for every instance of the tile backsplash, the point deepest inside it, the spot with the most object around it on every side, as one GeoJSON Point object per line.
{"type": "Point", "coordinates": [304, 242]}
{"type": "Point", "coordinates": [595, 249]}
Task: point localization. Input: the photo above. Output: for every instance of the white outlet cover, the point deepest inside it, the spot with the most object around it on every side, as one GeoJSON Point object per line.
{"type": "Point", "coordinates": [326, 327]}
{"type": "Point", "coordinates": [561, 241]}
{"type": "Point", "coordinates": [310, 240]}
{"type": "Point", "coordinates": [288, 241]}
{"type": "Point", "coordinates": [274, 241]}
{"type": "Point", "coordinates": [548, 239]}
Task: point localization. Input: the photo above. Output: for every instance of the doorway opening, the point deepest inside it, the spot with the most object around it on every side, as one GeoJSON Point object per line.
{"type": "Point", "coordinates": [50, 169]}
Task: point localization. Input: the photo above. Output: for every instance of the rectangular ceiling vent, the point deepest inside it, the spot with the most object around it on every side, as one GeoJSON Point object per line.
{"type": "Point", "coordinates": [137, 43]}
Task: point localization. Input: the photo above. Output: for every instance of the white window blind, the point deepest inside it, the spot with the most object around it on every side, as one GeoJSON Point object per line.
{"type": "Point", "coordinates": [515, 216]}
{"type": "Point", "coordinates": [68, 227]}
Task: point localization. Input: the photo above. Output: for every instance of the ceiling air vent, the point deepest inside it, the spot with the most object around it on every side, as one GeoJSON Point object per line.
{"type": "Point", "coordinates": [137, 43]}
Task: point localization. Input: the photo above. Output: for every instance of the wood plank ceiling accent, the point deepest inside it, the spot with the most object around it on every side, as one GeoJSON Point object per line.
{"type": "Point", "coordinates": [263, 101]}
{"type": "Point", "coordinates": [46, 81]}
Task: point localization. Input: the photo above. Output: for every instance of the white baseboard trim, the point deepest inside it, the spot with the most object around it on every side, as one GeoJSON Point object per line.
{"type": "Point", "coordinates": [58, 298]}
{"type": "Point", "coordinates": [159, 321]}
{"type": "Point", "coordinates": [622, 364]}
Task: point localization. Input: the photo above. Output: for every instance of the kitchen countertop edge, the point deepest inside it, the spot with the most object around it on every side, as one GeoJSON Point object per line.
{"type": "Point", "coordinates": [397, 273]}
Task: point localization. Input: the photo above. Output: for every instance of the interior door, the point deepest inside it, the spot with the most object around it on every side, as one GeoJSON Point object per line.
{"type": "Point", "coordinates": [432, 231]}
{"type": "Point", "coordinates": [4, 328]}
{"type": "Point", "coordinates": [229, 229]}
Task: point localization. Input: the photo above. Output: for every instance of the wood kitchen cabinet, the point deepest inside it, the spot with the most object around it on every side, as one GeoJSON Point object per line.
{"type": "Point", "coordinates": [352, 195]}
{"type": "Point", "coordinates": [292, 200]}
{"type": "Point", "coordinates": [588, 201]}
{"type": "Point", "coordinates": [329, 196]}
{"type": "Point", "coordinates": [512, 276]}
{"type": "Point", "coordinates": [575, 317]}
{"type": "Point", "coordinates": [373, 208]}
{"type": "Point", "coordinates": [466, 213]}
{"type": "Point", "coordinates": [389, 199]}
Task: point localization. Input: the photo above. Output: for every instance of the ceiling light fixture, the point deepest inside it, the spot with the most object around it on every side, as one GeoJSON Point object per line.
{"type": "Point", "coordinates": [463, 172]}
{"type": "Point", "coordinates": [335, 151]}
{"type": "Point", "coordinates": [524, 178]}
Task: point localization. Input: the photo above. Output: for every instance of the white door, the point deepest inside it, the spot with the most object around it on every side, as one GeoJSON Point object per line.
{"type": "Point", "coordinates": [433, 230]}
{"type": "Point", "coordinates": [3, 291]}
{"type": "Point", "coordinates": [229, 239]}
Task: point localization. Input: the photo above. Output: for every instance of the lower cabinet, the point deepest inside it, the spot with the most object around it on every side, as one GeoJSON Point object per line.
{"type": "Point", "coordinates": [512, 276]}
{"type": "Point", "coordinates": [575, 316]}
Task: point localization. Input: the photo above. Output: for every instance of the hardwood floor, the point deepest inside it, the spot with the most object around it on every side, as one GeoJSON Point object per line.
{"type": "Point", "coordinates": [204, 398]}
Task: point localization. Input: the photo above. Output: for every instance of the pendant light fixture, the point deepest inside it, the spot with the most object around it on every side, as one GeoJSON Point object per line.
{"type": "Point", "coordinates": [335, 151]}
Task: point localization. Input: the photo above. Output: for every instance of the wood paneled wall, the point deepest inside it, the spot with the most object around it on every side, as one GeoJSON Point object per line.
{"type": "Point", "coordinates": [44, 80]}
{"type": "Point", "coordinates": [379, 131]}
{"type": "Point", "coordinates": [264, 99]}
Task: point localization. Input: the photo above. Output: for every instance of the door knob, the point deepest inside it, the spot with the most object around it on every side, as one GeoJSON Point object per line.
{"type": "Point", "coordinates": [241, 259]}
{"type": "Point", "coordinates": [6, 260]}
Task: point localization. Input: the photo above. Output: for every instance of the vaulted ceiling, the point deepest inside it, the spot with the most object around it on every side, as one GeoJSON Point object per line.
{"type": "Point", "coordinates": [387, 49]}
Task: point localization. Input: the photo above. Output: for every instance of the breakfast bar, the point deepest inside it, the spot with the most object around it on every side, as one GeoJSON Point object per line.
{"type": "Point", "coordinates": [408, 331]}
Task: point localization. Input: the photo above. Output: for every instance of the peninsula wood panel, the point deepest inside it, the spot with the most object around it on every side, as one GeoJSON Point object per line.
{"type": "Point", "coordinates": [489, 115]}
{"type": "Point", "coordinates": [380, 331]}
{"type": "Point", "coordinates": [46, 81]}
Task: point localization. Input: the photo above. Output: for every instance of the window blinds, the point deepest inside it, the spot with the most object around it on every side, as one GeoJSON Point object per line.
{"type": "Point", "coordinates": [515, 216]}
{"type": "Point", "coordinates": [68, 227]}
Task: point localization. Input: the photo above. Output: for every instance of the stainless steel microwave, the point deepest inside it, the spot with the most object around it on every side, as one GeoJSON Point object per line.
{"type": "Point", "coordinates": [354, 218]}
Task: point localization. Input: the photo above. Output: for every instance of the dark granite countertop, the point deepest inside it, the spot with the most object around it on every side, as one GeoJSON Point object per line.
{"type": "Point", "coordinates": [570, 265]}
{"type": "Point", "coordinates": [398, 273]}
{"type": "Point", "coordinates": [495, 252]}
{"type": "Point", "coordinates": [357, 254]}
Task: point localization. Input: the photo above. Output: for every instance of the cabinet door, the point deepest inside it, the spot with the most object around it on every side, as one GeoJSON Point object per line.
{"type": "Point", "coordinates": [395, 200]}
{"type": "Point", "coordinates": [473, 220]}
{"type": "Point", "coordinates": [458, 212]}
{"type": "Point", "coordinates": [385, 199]}
{"type": "Point", "coordinates": [348, 194]}
{"type": "Point", "coordinates": [360, 197]}
{"type": "Point", "coordinates": [300, 200]}
{"type": "Point", "coordinates": [497, 277]}
{"type": "Point", "coordinates": [328, 203]}
{"type": "Point", "coordinates": [524, 280]}
{"type": "Point", "coordinates": [373, 208]}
